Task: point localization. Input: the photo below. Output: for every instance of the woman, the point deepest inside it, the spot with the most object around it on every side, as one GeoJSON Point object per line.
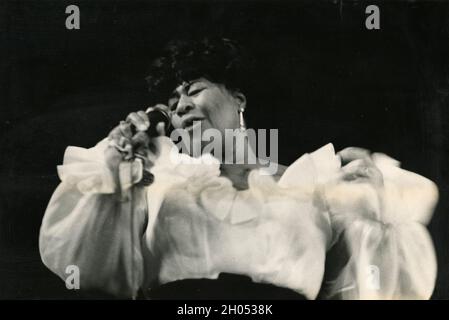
{"type": "Point", "coordinates": [132, 215]}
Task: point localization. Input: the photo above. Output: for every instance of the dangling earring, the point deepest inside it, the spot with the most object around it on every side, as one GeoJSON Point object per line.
{"type": "Point", "coordinates": [241, 119]}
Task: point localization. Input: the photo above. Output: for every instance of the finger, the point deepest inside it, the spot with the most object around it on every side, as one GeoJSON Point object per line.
{"type": "Point", "coordinates": [352, 172]}
{"type": "Point", "coordinates": [353, 153]}
{"type": "Point", "coordinates": [137, 121]}
{"type": "Point", "coordinates": [356, 164]}
{"type": "Point", "coordinates": [160, 129]}
{"type": "Point", "coordinates": [144, 117]}
{"type": "Point", "coordinates": [362, 169]}
{"type": "Point", "coordinates": [128, 152]}
{"type": "Point", "coordinates": [140, 139]}
{"type": "Point", "coordinates": [125, 129]}
{"type": "Point", "coordinates": [122, 142]}
{"type": "Point", "coordinates": [159, 106]}
{"type": "Point", "coordinates": [122, 130]}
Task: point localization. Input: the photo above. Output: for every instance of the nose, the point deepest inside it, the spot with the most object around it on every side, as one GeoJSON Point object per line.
{"type": "Point", "coordinates": [185, 104]}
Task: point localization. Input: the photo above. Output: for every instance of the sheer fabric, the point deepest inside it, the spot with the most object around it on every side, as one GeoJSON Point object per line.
{"type": "Point", "coordinates": [192, 223]}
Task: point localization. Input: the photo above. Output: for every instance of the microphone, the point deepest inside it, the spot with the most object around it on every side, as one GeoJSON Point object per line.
{"type": "Point", "coordinates": [157, 114]}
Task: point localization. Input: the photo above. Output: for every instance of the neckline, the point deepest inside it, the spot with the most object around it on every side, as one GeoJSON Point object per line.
{"type": "Point", "coordinates": [275, 177]}
{"type": "Point", "coordinates": [246, 171]}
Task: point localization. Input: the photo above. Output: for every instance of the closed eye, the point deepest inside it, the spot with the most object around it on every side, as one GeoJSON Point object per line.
{"type": "Point", "coordinates": [194, 92]}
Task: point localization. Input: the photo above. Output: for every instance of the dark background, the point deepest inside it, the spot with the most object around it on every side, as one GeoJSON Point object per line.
{"type": "Point", "coordinates": [322, 77]}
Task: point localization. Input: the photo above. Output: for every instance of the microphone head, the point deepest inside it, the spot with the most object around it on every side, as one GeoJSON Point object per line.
{"type": "Point", "coordinates": [156, 114]}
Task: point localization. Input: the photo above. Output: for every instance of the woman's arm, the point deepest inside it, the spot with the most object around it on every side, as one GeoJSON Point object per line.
{"type": "Point", "coordinates": [97, 216]}
{"type": "Point", "coordinates": [379, 212]}
{"type": "Point", "coordinates": [88, 224]}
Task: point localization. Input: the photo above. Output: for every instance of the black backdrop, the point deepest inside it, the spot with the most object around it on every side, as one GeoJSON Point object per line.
{"type": "Point", "coordinates": [322, 77]}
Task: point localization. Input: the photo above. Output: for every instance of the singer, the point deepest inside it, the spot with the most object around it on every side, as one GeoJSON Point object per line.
{"type": "Point", "coordinates": [345, 225]}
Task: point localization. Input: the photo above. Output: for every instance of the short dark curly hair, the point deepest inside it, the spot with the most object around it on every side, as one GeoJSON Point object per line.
{"type": "Point", "coordinates": [219, 60]}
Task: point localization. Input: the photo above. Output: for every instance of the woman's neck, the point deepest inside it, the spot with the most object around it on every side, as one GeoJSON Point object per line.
{"type": "Point", "coordinates": [238, 174]}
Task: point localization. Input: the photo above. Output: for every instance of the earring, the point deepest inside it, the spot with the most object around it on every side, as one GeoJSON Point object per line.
{"type": "Point", "coordinates": [241, 119]}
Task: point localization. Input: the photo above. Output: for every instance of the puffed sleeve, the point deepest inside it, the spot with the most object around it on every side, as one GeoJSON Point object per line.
{"type": "Point", "coordinates": [390, 252]}
{"type": "Point", "coordinates": [89, 225]}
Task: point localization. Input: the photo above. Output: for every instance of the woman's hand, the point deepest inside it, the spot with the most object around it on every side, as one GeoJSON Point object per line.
{"type": "Point", "coordinates": [357, 191]}
{"type": "Point", "coordinates": [130, 139]}
{"type": "Point", "coordinates": [358, 166]}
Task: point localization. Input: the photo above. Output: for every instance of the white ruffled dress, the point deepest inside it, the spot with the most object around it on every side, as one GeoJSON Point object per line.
{"type": "Point", "coordinates": [192, 223]}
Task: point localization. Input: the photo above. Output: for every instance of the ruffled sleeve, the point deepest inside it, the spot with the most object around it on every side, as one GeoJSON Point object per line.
{"type": "Point", "coordinates": [89, 225]}
{"type": "Point", "coordinates": [391, 254]}
{"type": "Point", "coordinates": [379, 247]}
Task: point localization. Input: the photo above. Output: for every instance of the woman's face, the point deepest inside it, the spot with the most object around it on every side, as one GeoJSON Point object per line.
{"type": "Point", "coordinates": [203, 101]}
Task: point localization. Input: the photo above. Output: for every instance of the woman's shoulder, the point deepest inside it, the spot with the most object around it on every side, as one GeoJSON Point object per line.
{"type": "Point", "coordinates": [310, 167]}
